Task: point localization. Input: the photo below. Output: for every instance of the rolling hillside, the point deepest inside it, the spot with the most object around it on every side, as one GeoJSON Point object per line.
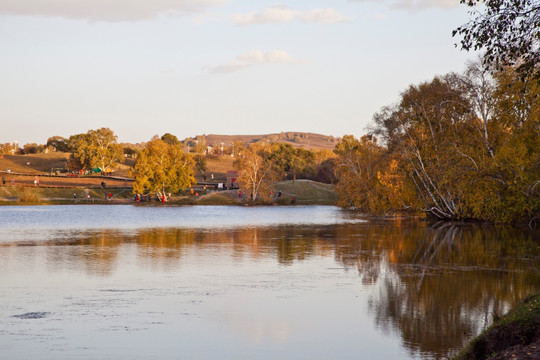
{"type": "Point", "coordinates": [297, 139]}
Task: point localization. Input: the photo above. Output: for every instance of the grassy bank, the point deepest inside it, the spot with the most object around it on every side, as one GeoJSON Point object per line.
{"type": "Point", "coordinates": [38, 164]}
{"type": "Point", "coordinates": [515, 335]}
{"type": "Point", "coordinates": [19, 189]}
{"type": "Point", "coordinates": [304, 192]}
{"type": "Point", "coordinates": [20, 195]}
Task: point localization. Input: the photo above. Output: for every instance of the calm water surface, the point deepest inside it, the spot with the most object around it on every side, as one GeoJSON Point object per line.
{"type": "Point", "coordinates": [115, 282]}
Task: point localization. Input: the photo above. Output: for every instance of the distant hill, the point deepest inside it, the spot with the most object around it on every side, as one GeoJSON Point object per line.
{"type": "Point", "coordinates": [298, 139]}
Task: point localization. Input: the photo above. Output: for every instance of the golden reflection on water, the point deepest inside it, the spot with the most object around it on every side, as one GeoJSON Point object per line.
{"type": "Point", "coordinates": [436, 285]}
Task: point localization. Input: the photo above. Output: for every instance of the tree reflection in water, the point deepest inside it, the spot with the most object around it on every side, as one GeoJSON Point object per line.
{"type": "Point", "coordinates": [435, 285]}
{"type": "Point", "coordinates": [440, 286]}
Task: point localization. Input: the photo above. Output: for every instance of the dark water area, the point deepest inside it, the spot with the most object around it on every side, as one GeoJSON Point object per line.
{"type": "Point", "coordinates": [202, 282]}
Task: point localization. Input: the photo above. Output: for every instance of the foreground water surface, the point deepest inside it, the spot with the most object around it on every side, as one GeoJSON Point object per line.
{"type": "Point", "coordinates": [217, 282]}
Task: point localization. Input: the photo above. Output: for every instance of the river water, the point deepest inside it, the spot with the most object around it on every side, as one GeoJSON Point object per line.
{"type": "Point", "coordinates": [218, 282]}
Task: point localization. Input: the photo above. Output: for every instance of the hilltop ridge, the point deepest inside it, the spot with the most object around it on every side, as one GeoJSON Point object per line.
{"type": "Point", "coordinates": [295, 138]}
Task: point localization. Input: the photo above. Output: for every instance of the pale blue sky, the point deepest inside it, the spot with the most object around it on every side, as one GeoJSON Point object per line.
{"type": "Point", "coordinates": [189, 67]}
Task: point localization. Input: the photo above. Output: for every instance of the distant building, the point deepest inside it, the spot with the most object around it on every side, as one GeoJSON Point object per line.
{"type": "Point", "coordinates": [232, 179]}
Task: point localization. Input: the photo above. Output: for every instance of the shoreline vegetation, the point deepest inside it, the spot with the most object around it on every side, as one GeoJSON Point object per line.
{"type": "Point", "coordinates": [515, 335]}
{"type": "Point", "coordinates": [304, 192]}
{"type": "Point", "coordinates": [396, 169]}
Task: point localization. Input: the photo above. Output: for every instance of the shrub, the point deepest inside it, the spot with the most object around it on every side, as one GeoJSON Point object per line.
{"type": "Point", "coordinates": [29, 195]}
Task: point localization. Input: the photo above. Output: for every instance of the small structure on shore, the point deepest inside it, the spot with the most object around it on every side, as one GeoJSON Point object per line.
{"type": "Point", "coordinates": [232, 179]}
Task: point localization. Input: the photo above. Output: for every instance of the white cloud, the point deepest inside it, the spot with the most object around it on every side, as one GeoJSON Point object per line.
{"type": "Point", "coordinates": [415, 5]}
{"type": "Point", "coordinates": [326, 16]}
{"type": "Point", "coordinates": [254, 57]}
{"type": "Point", "coordinates": [104, 10]}
{"type": "Point", "coordinates": [274, 14]}
{"type": "Point", "coordinates": [284, 14]}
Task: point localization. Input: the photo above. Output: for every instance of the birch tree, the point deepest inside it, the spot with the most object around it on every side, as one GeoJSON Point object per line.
{"type": "Point", "coordinates": [428, 129]}
{"type": "Point", "coordinates": [508, 33]}
{"type": "Point", "coordinates": [255, 170]}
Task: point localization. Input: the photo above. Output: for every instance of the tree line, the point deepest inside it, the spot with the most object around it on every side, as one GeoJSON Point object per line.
{"type": "Point", "coordinates": [460, 146]}
{"type": "Point", "coordinates": [166, 165]}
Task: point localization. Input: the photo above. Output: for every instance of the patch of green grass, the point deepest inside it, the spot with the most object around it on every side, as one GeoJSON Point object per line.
{"type": "Point", "coordinates": [10, 194]}
{"type": "Point", "coordinates": [218, 198]}
{"type": "Point", "coordinates": [306, 192]}
{"type": "Point", "coordinates": [527, 311]}
{"type": "Point", "coordinates": [183, 200]}
{"type": "Point", "coordinates": [517, 327]}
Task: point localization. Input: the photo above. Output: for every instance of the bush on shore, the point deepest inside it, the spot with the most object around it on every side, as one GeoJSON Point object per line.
{"type": "Point", "coordinates": [28, 195]}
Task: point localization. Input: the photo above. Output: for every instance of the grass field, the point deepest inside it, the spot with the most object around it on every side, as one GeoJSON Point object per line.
{"type": "Point", "coordinates": [307, 192]}
{"type": "Point", "coordinates": [63, 181]}
{"type": "Point", "coordinates": [34, 164]}
{"type": "Point", "coordinates": [30, 195]}
{"type": "Point", "coordinates": [218, 166]}
{"type": "Point", "coordinates": [48, 163]}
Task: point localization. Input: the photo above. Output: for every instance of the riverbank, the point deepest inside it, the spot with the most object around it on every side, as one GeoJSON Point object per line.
{"type": "Point", "coordinates": [300, 192]}
{"type": "Point", "coordinates": [515, 335]}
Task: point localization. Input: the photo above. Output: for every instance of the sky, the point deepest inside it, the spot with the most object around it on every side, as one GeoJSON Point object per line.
{"type": "Point", "coordinates": [192, 67]}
